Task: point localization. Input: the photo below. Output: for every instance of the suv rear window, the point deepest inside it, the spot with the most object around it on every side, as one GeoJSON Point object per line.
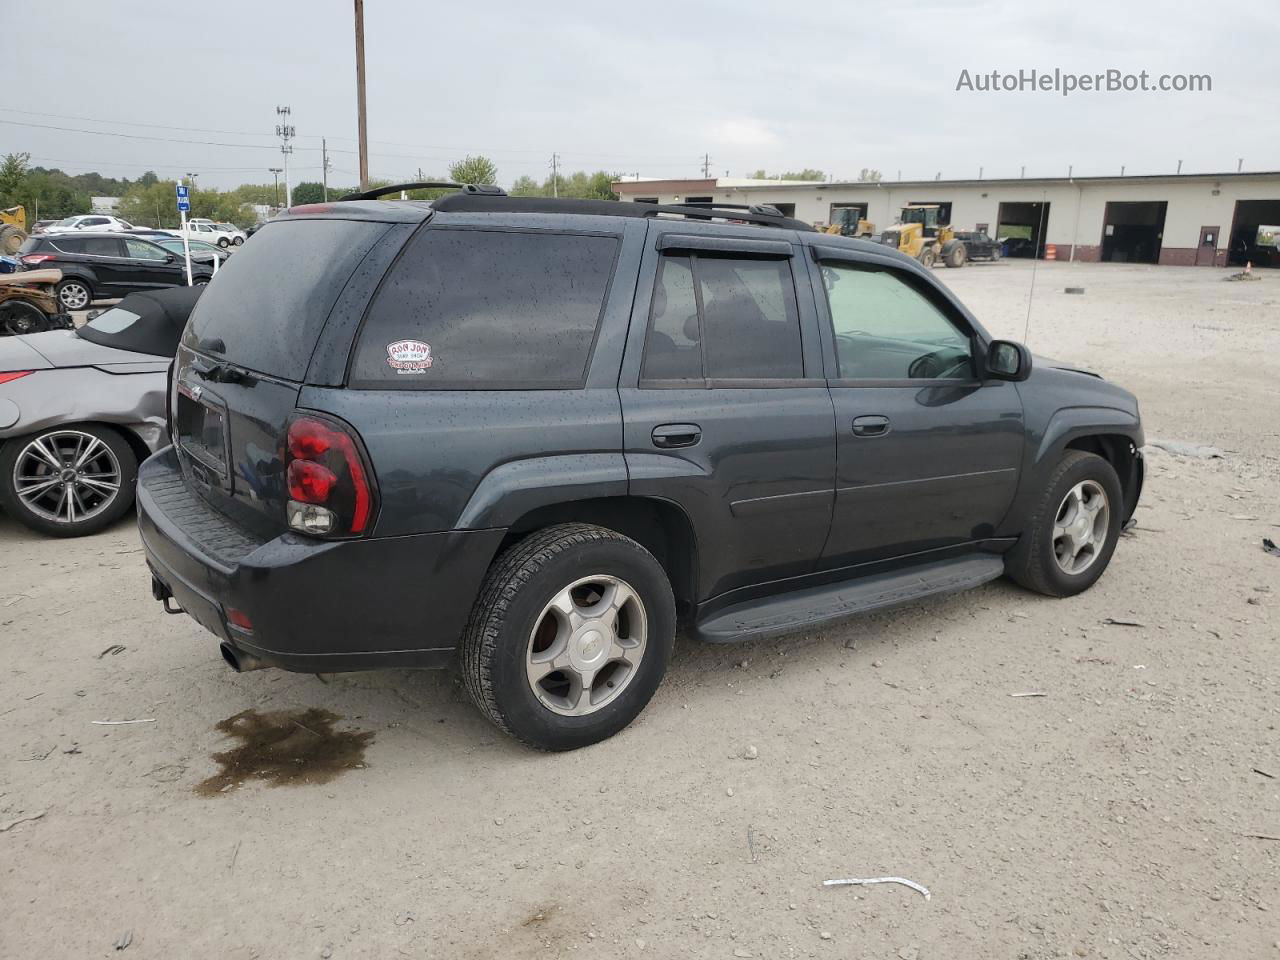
{"type": "Point", "coordinates": [486, 309]}
{"type": "Point", "coordinates": [269, 302]}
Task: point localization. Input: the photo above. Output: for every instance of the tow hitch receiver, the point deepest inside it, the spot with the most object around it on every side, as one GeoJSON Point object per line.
{"type": "Point", "coordinates": [162, 593]}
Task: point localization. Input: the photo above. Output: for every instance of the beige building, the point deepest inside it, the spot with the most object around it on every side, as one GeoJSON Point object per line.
{"type": "Point", "coordinates": [1206, 219]}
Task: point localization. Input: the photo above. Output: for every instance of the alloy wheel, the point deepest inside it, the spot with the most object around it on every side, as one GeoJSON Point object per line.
{"type": "Point", "coordinates": [1080, 527]}
{"type": "Point", "coordinates": [66, 476]}
{"type": "Point", "coordinates": [74, 296]}
{"type": "Point", "coordinates": [586, 645]}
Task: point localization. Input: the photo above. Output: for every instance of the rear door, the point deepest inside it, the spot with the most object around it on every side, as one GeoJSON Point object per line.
{"type": "Point", "coordinates": [245, 354]}
{"type": "Point", "coordinates": [927, 453]}
{"type": "Point", "coordinates": [114, 271]}
{"type": "Point", "coordinates": [725, 408]}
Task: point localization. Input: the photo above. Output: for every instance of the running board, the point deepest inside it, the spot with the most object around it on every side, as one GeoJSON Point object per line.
{"type": "Point", "coordinates": [819, 606]}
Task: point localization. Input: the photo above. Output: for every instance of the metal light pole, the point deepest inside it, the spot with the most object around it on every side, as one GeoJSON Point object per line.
{"type": "Point", "coordinates": [363, 125]}
{"type": "Point", "coordinates": [275, 172]}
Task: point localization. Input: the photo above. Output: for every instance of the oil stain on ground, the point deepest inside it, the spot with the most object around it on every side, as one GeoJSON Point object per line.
{"type": "Point", "coordinates": [283, 748]}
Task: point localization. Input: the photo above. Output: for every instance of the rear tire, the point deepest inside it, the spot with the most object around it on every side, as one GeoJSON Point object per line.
{"type": "Point", "coordinates": [956, 256]}
{"type": "Point", "coordinates": [927, 257]}
{"type": "Point", "coordinates": [110, 461]}
{"type": "Point", "coordinates": [11, 240]}
{"type": "Point", "coordinates": [18, 317]}
{"type": "Point", "coordinates": [529, 617]}
{"type": "Point", "coordinates": [223, 242]}
{"type": "Point", "coordinates": [1063, 550]}
{"type": "Point", "coordinates": [238, 241]}
{"type": "Point", "coordinates": [74, 294]}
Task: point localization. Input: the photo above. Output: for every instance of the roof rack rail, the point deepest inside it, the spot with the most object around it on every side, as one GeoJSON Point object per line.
{"type": "Point", "coordinates": [760, 214]}
{"type": "Point", "coordinates": [483, 189]}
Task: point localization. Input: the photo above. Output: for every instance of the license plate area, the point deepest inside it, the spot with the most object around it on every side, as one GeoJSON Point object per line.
{"type": "Point", "coordinates": [200, 420]}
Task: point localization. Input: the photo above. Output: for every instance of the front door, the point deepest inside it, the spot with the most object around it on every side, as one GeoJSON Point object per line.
{"type": "Point", "coordinates": [725, 409]}
{"type": "Point", "coordinates": [927, 453]}
{"type": "Point", "coordinates": [151, 266]}
{"type": "Point", "coordinates": [1207, 248]}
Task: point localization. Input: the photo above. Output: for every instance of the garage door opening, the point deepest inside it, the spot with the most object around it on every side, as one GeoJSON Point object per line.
{"type": "Point", "coordinates": [1255, 231]}
{"type": "Point", "coordinates": [1020, 228]}
{"type": "Point", "coordinates": [1133, 231]}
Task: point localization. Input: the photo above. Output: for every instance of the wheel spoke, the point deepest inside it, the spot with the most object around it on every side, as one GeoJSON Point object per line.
{"type": "Point", "coordinates": [581, 692]}
{"type": "Point", "coordinates": [99, 486]}
{"type": "Point", "coordinates": [35, 489]}
{"type": "Point", "coordinates": [45, 454]}
{"type": "Point", "coordinates": [88, 453]}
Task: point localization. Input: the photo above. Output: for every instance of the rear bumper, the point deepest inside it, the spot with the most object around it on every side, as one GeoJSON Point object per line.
{"type": "Point", "coordinates": [315, 606]}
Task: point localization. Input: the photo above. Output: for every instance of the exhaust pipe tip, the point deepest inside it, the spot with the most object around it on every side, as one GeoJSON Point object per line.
{"type": "Point", "coordinates": [239, 661]}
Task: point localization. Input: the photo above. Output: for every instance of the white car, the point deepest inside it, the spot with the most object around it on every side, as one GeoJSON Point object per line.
{"type": "Point", "coordinates": [89, 221]}
{"type": "Point", "coordinates": [219, 234]}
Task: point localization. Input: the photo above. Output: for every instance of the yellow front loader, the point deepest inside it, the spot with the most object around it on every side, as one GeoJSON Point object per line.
{"type": "Point", "coordinates": [918, 234]}
{"type": "Point", "coordinates": [13, 230]}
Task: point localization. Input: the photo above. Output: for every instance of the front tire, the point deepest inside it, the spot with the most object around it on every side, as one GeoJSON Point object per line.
{"type": "Point", "coordinates": [927, 257]}
{"type": "Point", "coordinates": [223, 242]}
{"type": "Point", "coordinates": [74, 294]}
{"type": "Point", "coordinates": [67, 481]}
{"type": "Point", "coordinates": [570, 636]}
{"type": "Point", "coordinates": [1073, 530]}
{"type": "Point", "coordinates": [956, 256]}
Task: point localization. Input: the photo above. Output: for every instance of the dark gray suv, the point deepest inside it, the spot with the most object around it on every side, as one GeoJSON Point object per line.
{"type": "Point", "coordinates": [531, 437]}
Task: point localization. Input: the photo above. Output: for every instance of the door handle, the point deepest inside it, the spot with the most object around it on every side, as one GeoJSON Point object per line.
{"type": "Point", "coordinates": [668, 435]}
{"type": "Point", "coordinates": [870, 426]}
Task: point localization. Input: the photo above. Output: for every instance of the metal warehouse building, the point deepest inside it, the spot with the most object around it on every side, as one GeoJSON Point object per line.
{"type": "Point", "coordinates": [1186, 219]}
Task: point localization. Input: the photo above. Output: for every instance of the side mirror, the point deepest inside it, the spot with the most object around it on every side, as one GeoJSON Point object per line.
{"type": "Point", "coordinates": [170, 258]}
{"type": "Point", "coordinates": [1008, 360]}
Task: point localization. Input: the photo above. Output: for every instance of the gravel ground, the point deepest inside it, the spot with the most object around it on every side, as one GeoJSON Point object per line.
{"type": "Point", "coordinates": [1109, 818]}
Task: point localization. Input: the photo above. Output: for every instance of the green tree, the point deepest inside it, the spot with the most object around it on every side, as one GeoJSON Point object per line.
{"type": "Point", "coordinates": [308, 192]}
{"type": "Point", "coordinates": [526, 186]}
{"type": "Point", "coordinates": [869, 176]}
{"type": "Point", "coordinates": [805, 174]}
{"type": "Point", "coordinates": [149, 178]}
{"type": "Point", "coordinates": [474, 170]}
{"type": "Point", "coordinates": [13, 171]}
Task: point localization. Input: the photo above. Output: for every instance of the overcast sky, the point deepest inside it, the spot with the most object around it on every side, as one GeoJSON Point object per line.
{"type": "Point", "coordinates": [637, 88]}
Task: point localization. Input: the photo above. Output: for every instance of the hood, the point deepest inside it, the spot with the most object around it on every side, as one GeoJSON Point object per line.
{"type": "Point", "coordinates": [1038, 360]}
{"type": "Point", "coordinates": [62, 348]}
{"type": "Point", "coordinates": [17, 354]}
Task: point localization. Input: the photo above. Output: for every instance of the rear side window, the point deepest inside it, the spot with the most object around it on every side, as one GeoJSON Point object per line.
{"type": "Point", "coordinates": [68, 244]}
{"type": "Point", "coordinates": [102, 247]}
{"type": "Point", "coordinates": [265, 309]}
{"type": "Point", "coordinates": [724, 318]}
{"type": "Point", "coordinates": [486, 309]}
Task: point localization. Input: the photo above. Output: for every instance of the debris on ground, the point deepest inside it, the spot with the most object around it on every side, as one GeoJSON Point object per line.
{"type": "Point", "coordinates": [1117, 622]}
{"type": "Point", "coordinates": [1182, 449]}
{"type": "Point", "coordinates": [1030, 693]}
{"type": "Point", "coordinates": [112, 650]}
{"type": "Point", "coordinates": [1262, 836]}
{"type": "Point", "coordinates": [1245, 274]}
{"type": "Point", "coordinates": [1263, 773]}
{"type": "Point", "coordinates": [117, 723]}
{"type": "Point", "coordinates": [123, 941]}
{"type": "Point", "coordinates": [750, 753]}
{"type": "Point", "coordinates": [856, 881]}
{"type": "Point", "coordinates": [1075, 290]}
{"type": "Point", "coordinates": [10, 824]}
{"type": "Point", "coordinates": [1269, 545]}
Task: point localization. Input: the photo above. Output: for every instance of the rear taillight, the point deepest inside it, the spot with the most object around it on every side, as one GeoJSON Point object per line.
{"type": "Point", "coordinates": [12, 375]}
{"type": "Point", "coordinates": [330, 490]}
{"type": "Point", "coordinates": [33, 259]}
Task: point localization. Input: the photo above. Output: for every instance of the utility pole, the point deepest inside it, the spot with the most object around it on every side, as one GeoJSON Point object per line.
{"type": "Point", "coordinates": [285, 131]}
{"type": "Point", "coordinates": [361, 122]}
{"type": "Point", "coordinates": [324, 167]}
{"type": "Point", "coordinates": [193, 180]}
{"type": "Point", "coordinates": [555, 174]}
{"type": "Point", "coordinates": [706, 166]}
{"type": "Point", "coordinates": [275, 172]}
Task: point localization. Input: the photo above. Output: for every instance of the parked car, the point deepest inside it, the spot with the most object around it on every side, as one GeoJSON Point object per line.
{"type": "Point", "coordinates": [200, 251]}
{"type": "Point", "coordinates": [99, 266]}
{"type": "Point", "coordinates": [79, 409]}
{"type": "Point", "coordinates": [89, 221]}
{"type": "Point", "coordinates": [40, 226]}
{"type": "Point", "coordinates": [978, 246]}
{"type": "Point", "coordinates": [529, 436]}
{"type": "Point", "coordinates": [212, 233]}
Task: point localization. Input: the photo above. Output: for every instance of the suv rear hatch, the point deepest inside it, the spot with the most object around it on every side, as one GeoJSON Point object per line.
{"type": "Point", "coordinates": [244, 357]}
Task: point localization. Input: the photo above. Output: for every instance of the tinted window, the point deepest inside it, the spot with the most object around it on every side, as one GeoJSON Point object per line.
{"type": "Point", "coordinates": [68, 244]}
{"type": "Point", "coordinates": [673, 350]}
{"type": "Point", "coordinates": [269, 302]}
{"type": "Point", "coordinates": [102, 247]}
{"type": "Point", "coordinates": [478, 308]}
{"type": "Point", "coordinates": [750, 327]}
{"type": "Point", "coordinates": [887, 330]}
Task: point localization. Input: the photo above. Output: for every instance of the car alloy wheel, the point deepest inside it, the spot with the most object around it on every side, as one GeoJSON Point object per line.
{"type": "Point", "coordinates": [586, 645]}
{"type": "Point", "coordinates": [1080, 527]}
{"type": "Point", "coordinates": [18, 317]}
{"type": "Point", "coordinates": [73, 295]}
{"type": "Point", "coordinates": [66, 476]}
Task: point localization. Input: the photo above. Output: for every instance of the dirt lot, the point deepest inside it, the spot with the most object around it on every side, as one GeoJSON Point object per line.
{"type": "Point", "coordinates": [1110, 818]}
